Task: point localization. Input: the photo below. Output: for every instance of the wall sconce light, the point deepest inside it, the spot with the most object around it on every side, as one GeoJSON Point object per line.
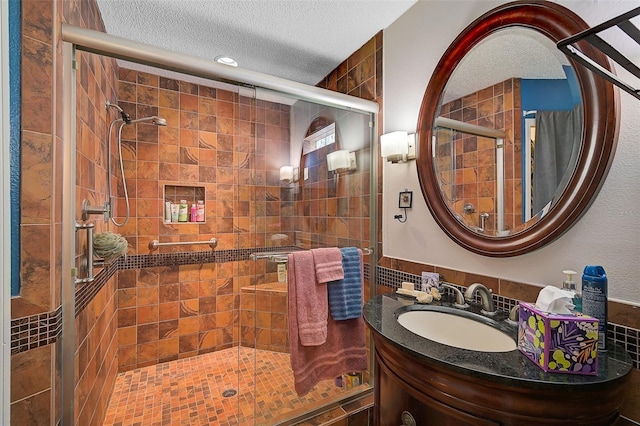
{"type": "Point", "coordinates": [341, 161]}
{"type": "Point", "coordinates": [288, 174]}
{"type": "Point", "coordinates": [398, 146]}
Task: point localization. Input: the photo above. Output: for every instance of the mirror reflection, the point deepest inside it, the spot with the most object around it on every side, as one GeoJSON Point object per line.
{"type": "Point", "coordinates": [507, 132]}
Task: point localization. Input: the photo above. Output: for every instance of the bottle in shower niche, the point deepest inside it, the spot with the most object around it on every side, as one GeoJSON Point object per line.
{"type": "Point", "coordinates": [594, 299]}
{"type": "Point", "coordinates": [183, 211]}
{"type": "Point", "coordinates": [192, 215]}
{"type": "Point", "coordinates": [200, 211]}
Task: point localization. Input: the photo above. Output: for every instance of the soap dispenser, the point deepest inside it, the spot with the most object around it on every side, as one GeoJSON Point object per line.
{"type": "Point", "coordinates": [570, 285]}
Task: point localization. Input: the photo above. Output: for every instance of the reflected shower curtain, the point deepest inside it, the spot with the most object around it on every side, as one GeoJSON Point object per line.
{"type": "Point", "coordinates": [558, 135]}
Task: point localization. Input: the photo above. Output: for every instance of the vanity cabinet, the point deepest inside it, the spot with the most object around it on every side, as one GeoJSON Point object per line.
{"type": "Point", "coordinates": [434, 394]}
{"type": "Point", "coordinates": [401, 405]}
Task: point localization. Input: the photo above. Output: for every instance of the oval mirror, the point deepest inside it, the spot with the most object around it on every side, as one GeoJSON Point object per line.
{"type": "Point", "coordinates": [515, 139]}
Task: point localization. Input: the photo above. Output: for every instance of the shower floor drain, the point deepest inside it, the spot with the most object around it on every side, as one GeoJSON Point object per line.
{"type": "Point", "coordinates": [229, 392]}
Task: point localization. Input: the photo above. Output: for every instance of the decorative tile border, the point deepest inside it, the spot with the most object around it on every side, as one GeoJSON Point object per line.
{"type": "Point", "coordinates": [35, 331]}
{"type": "Point", "coordinates": [85, 292]}
{"type": "Point", "coordinates": [628, 337]}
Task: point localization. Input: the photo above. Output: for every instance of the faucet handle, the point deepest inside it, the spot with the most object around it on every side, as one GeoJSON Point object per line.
{"type": "Point", "coordinates": [485, 297]}
{"type": "Point", "coordinates": [460, 299]}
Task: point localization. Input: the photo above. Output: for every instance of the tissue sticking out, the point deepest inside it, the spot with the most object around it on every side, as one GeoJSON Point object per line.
{"type": "Point", "coordinates": [554, 300]}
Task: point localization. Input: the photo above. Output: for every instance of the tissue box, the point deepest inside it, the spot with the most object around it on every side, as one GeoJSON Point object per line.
{"type": "Point", "coordinates": [557, 342]}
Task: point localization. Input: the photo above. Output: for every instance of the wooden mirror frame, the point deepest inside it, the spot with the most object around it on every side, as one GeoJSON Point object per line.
{"type": "Point", "coordinates": [600, 130]}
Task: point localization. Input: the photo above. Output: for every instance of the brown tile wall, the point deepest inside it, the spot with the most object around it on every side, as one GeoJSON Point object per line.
{"type": "Point", "coordinates": [263, 317]}
{"type": "Point", "coordinates": [359, 75]}
{"type": "Point", "coordinates": [471, 175]}
{"type": "Point", "coordinates": [166, 313]}
{"type": "Point", "coordinates": [35, 384]}
{"type": "Point", "coordinates": [96, 357]}
{"type": "Point", "coordinates": [214, 139]}
{"type": "Point", "coordinates": [232, 147]}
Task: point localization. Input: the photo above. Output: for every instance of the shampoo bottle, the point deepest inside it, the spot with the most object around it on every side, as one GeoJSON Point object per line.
{"type": "Point", "coordinates": [594, 299]}
{"type": "Point", "coordinates": [183, 211]}
{"type": "Point", "coordinates": [570, 285]}
{"type": "Point", "coordinates": [200, 211]}
{"type": "Point", "coordinates": [192, 215]}
{"type": "Point", "coordinates": [167, 211]}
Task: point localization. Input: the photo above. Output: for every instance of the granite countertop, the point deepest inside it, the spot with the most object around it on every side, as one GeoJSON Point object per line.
{"type": "Point", "coordinates": [511, 368]}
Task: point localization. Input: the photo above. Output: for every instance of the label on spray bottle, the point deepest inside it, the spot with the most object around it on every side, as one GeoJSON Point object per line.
{"type": "Point", "coordinates": [594, 300]}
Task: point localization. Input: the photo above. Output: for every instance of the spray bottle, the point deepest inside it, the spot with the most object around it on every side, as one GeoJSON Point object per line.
{"type": "Point", "coordinates": [594, 299]}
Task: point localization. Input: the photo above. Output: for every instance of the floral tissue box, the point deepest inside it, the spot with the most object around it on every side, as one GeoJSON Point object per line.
{"type": "Point", "coordinates": [559, 343]}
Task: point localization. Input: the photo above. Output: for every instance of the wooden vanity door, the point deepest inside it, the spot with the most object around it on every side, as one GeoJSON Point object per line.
{"type": "Point", "coordinates": [395, 400]}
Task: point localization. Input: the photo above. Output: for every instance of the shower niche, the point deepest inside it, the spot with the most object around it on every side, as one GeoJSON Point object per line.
{"type": "Point", "coordinates": [191, 196]}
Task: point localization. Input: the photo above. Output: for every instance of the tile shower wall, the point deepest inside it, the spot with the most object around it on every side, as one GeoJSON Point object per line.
{"type": "Point", "coordinates": [468, 163]}
{"type": "Point", "coordinates": [338, 217]}
{"type": "Point", "coordinates": [35, 372]}
{"type": "Point", "coordinates": [231, 146]}
{"type": "Point", "coordinates": [214, 139]}
{"type": "Point", "coordinates": [263, 317]}
{"type": "Point", "coordinates": [180, 311]}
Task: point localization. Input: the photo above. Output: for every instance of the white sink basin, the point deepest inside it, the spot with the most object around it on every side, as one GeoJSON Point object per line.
{"type": "Point", "coordinates": [457, 331]}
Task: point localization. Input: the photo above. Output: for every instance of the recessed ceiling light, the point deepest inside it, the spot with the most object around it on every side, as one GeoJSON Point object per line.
{"type": "Point", "coordinates": [226, 60]}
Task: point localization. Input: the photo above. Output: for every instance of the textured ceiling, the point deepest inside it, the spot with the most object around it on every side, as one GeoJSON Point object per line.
{"type": "Point", "coordinates": [508, 53]}
{"type": "Point", "coordinates": [300, 40]}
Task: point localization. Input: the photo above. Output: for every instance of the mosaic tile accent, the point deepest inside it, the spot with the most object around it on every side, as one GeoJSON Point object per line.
{"type": "Point", "coordinates": [626, 336]}
{"type": "Point", "coordinates": [36, 330]}
{"type": "Point", "coordinates": [138, 261]}
{"type": "Point", "coordinates": [191, 391]}
{"type": "Point", "coordinates": [85, 292]}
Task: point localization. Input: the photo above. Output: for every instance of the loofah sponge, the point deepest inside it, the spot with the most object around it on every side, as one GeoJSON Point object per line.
{"type": "Point", "coordinates": [108, 245]}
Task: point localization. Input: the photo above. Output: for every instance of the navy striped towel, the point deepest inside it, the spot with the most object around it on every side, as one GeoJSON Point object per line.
{"type": "Point", "coordinates": [345, 295]}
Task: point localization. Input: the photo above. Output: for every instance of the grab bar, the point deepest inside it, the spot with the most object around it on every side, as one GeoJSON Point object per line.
{"type": "Point", "coordinates": [281, 257]}
{"type": "Point", "coordinates": [88, 257]}
{"type": "Point", "coordinates": [154, 244]}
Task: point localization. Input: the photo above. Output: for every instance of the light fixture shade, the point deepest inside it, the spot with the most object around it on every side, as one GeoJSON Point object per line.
{"type": "Point", "coordinates": [286, 173]}
{"type": "Point", "coordinates": [394, 143]}
{"type": "Point", "coordinates": [341, 160]}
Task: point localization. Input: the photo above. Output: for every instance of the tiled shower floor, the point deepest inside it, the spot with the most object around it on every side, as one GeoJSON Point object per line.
{"type": "Point", "coordinates": [189, 391]}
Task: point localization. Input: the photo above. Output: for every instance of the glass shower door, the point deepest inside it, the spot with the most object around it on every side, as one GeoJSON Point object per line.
{"type": "Point", "coordinates": [311, 190]}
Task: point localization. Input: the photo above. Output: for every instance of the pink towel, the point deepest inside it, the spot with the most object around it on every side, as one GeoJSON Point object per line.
{"type": "Point", "coordinates": [343, 351]}
{"type": "Point", "coordinates": [312, 306]}
{"type": "Point", "coordinates": [328, 263]}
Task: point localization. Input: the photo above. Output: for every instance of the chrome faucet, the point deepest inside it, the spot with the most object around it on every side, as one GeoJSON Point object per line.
{"type": "Point", "coordinates": [460, 302]}
{"type": "Point", "coordinates": [485, 297]}
{"type": "Point", "coordinates": [514, 315]}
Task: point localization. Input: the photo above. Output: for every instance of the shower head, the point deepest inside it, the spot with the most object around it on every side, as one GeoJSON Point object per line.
{"type": "Point", "coordinates": [125, 117]}
{"type": "Point", "coordinates": [158, 121]}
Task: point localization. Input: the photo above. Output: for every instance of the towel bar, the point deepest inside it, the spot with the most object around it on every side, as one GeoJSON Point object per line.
{"type": "Point", "coordinates": [281, 256]}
